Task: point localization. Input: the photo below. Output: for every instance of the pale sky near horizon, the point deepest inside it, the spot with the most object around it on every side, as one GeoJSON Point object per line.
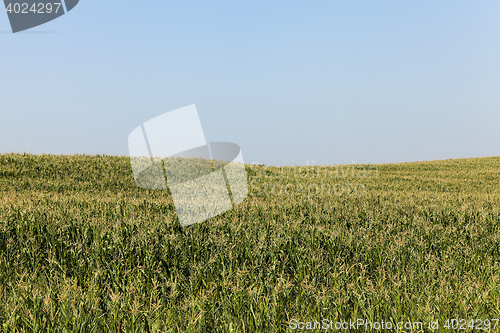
{"type": "Point", "coordinates": [289, 81]}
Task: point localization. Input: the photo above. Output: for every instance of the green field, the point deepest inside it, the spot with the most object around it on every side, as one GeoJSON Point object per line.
{"type": "Point", "coordinates": [82, 249]}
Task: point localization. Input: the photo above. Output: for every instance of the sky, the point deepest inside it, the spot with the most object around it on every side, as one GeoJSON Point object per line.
{"type": "Point", "coordinates": [290, 82]}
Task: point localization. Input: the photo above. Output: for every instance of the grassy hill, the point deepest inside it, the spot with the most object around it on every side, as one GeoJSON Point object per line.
{"type": "Point", "coordinates": [83, 249]}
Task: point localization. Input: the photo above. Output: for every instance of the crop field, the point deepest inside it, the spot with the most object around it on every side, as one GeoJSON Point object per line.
{"type": "Point", "coordinates": [83, 249]}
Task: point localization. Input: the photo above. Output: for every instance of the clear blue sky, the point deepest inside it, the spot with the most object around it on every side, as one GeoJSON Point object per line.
{"type": "Point", "coordinates": [289, 81]}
